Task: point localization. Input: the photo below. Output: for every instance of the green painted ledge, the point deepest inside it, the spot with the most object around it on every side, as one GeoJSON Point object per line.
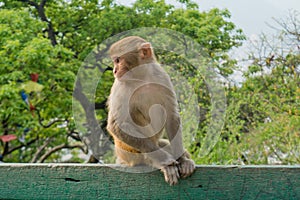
{"type": "Point", "coordinates": [82, 181]}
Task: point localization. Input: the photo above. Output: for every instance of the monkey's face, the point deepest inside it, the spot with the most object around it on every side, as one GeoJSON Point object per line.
{"type": "Point", "coordinates": [129, 53]}
{"type": "Point", "coordinates": [124, 63]}
{"type": "Point", "coordinates": [120, 67]}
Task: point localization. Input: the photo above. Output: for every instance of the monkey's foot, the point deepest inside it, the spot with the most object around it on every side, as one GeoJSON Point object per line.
{"type": "Point", "coordinates": [171, 174]}
{"type": "Point", "coordinates": [186, 167]}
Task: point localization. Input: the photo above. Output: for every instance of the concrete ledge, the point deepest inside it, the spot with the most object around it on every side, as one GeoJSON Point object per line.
{"type": "Point", "coordinates": [82, 181]}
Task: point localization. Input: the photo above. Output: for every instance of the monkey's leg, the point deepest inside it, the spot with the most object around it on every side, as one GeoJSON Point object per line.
{"type": "Point", "coordinates": [186, 166]}
{"type": "Point", "coordinates": [148, 147]}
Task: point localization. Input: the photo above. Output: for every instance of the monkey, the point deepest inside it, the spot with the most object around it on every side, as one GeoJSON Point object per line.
{"type": "Point", "coordinates": [142, 107]}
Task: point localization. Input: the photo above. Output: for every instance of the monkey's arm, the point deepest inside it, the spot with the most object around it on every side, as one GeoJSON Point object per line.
{"type": "Point", "coordinates": [186, 165]}
{"type": "Point", "coordinates": [174, 133]}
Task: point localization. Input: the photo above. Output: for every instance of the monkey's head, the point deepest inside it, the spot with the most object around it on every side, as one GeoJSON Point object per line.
{"type": "Point", "coordinates": [130, 52]}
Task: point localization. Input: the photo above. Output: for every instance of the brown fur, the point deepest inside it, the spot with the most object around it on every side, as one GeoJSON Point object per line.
{"type": "Point", "coordinates": [142, 104]}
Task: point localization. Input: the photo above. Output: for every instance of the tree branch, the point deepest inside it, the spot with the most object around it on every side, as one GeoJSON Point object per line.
{"type": "Point", "coordinates": [60, 147]}
{"type": "Point", "coordinates": [32, 3]}
{"type": "Point", "coordinates": [22, 145]}
{"type": "Point", "coordinates": [50, 123]}
{"type": "Point", "coordinates": [101, 105]}
{"type": "Point", "coordinates": [40, 149]}
{"type": "Point", "coordinates": [93, 138]}
{"type": "Point", "coordinates": [43, 3]}
{"type": "Point", "coordinates": [74, 135]}
{"type": "Point", "coordinates": [5, 130]}
{"type": "Point", "coordinates": [41, 13]}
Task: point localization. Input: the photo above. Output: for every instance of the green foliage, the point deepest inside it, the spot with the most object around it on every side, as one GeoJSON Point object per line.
{"type": "Point", "coordinates": [25, 51]}
{"type": "Point", "coordinates": [213, 31]}
{"type": "Point", "coordinates": [78, 26]}
{"type": "Point", "coordinates": [274, 142]}
{"type": "Point", "coordinates": [262, 123]}
{"type": "Point", "coordinates": [262, 115]}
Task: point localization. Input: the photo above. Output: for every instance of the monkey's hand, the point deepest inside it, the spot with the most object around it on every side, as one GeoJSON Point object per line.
{"type": "Point", "coordinates": [186, 167]}
{"type": "Point", "coordinates": [171, 173]}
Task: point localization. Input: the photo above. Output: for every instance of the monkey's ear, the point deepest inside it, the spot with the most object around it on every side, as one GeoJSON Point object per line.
{"type": "Point", "coordinates": [145, 50]}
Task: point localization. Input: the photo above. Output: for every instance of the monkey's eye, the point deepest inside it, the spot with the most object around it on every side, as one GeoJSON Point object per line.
{"type": "Point", "coordinates": [117, 60]}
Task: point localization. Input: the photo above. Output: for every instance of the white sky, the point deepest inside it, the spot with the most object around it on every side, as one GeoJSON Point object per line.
{"type": "Point", "coordinates": [250, 15]}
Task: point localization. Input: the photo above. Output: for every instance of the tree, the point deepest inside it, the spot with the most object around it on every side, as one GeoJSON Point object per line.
{"type": "Point", "coordinates": [31, 110]}
{"type": "Point", "coordinates": [52, 38]}
{"type": "Point", "coordinates": [274, 78]}
{"type": "Point", "coordinates": [262, 123]}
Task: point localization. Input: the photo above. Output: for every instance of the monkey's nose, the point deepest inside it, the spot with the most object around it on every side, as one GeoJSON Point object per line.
{"type": "Point", "coordinates": [115, 71]}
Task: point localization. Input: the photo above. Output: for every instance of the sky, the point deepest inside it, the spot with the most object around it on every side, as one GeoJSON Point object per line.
{"type": "Point", "coordinates": [253, 15]}
{"type": "Point", "coordinates": [249, 15]}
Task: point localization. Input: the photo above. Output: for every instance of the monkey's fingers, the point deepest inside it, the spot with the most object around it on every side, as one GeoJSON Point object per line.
{"type": "Point", "coordinates": [186, 168]}
{"type": "Point", "coordinates": [171, 174]}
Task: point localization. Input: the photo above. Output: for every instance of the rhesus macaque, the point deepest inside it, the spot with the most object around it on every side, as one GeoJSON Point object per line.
{"type": "Point", "coordinates": [142, 106]}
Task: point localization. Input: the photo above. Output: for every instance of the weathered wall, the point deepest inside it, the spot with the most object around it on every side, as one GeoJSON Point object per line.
{"type": "Point", "coordinates": [75, 181]}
